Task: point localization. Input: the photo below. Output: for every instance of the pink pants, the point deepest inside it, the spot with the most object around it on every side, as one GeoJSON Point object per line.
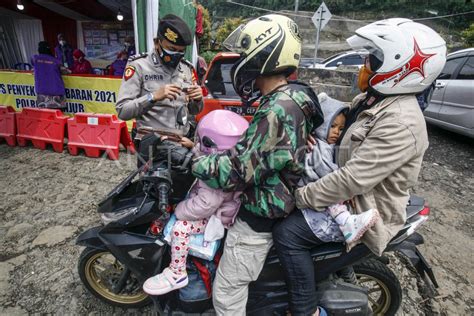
{"type": "Point", "coordinates": [180, 235]}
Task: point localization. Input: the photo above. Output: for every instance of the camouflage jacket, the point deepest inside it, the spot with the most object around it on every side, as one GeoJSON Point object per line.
{"type": "Point", "coordinates": [268, 160]}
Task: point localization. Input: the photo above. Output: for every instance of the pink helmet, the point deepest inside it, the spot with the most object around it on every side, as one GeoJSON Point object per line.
{"type": "Point", "coordinates": [220, 130]}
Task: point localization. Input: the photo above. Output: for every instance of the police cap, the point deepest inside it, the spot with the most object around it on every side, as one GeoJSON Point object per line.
{"type": "Point", "coordinates": [175, 30]}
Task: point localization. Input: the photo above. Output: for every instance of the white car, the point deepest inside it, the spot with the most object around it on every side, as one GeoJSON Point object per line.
{"type": "Point", "coordinates": [350, 58]}
{"type": "Point", "coordinates": [452, 100]}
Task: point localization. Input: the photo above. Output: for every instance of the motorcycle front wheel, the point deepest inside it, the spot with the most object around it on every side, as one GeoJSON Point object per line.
{"type": "Point", "coordinates": [385, 293]}
{"type": "Point", "coordinates": [109, 280]}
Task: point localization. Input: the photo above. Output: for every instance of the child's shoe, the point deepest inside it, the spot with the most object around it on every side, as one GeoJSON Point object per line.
{"type": "Point", "coordinates": [357, 225]}
{"type": "Point", "coordinates": [165, 282]}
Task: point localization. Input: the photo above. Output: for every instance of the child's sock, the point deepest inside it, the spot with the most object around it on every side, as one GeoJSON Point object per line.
{"type": "Point", "coordinates": [339, 213]}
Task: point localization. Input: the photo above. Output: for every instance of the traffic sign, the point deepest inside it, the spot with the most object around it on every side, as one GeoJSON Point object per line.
{"type": "Point", "coordinates": [321, 17]}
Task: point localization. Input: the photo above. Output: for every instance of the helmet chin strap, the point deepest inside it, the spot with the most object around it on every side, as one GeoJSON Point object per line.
{"type": "Point", "coordinates": [251, 95]}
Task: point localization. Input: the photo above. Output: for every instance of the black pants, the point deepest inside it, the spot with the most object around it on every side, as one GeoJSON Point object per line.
{"type": "Point", "coordinates": [293, 240]}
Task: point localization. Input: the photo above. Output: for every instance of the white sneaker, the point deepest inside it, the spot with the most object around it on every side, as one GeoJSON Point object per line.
{"type": "Point", "coordinates": [357, 225]}
{"type": "Point", "coordinates": [165, 282]}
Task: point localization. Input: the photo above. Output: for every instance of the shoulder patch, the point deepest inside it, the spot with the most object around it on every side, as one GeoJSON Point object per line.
{"type": "Point", "coordinates": [129, 72]}
{"type": "Point", "coordinates": [137, 56]}
{"type": "Point", "coordinates": [187, 63]}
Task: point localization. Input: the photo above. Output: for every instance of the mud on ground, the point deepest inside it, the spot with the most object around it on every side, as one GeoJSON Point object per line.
{"type": "Point", "coordinates": [47, 199]}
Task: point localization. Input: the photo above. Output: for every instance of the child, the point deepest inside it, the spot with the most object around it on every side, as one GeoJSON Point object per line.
{"type": "Point", "coordinates": [318, 163]}
{"type": "Point", "coordinates": [216, 132]}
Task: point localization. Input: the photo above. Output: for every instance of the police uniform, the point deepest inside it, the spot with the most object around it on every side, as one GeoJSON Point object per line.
{"type": "Point", "coordinates": [146, 73]}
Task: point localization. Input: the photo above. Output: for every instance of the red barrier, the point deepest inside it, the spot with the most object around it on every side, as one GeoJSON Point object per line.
{"type": "Point", "coordinates": [98, 132]}
{"type": "Point", "coordinates": [41, 127]}
{"type": "Point", "coordinates": [8, 125]}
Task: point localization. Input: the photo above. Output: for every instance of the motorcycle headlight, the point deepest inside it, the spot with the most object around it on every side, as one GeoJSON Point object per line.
{"type": "Point", "coordinates": [115, 216]}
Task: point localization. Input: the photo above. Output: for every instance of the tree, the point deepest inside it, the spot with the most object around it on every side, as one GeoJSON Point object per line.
{"type": "Point", "coordinates": [205, 40]}
{"type": "Point", "coordinates": [226, 28]}
{"type": "Point", "coordinates": [468, 36]}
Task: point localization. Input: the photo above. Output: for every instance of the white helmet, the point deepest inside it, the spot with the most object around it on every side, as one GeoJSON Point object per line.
{"type": "Point", "coordinates": [405, 56]}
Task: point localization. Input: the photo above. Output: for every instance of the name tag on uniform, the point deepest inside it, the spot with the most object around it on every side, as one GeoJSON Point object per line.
{"type": "Point", "coordinates": [154, 77]}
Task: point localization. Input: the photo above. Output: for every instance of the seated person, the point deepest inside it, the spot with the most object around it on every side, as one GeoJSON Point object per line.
{"type": "Point", "coordinates": [203, 202]}
{"type": "Point", "coordinates": [81, 65]}
{"type": "Point", "coordinates": [118, 66]}
{"type": "Point", "coordinates": [320, 162]}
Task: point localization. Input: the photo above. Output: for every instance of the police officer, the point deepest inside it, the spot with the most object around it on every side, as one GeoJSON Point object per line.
{"type": "Point", "coordinates": [157, 84]}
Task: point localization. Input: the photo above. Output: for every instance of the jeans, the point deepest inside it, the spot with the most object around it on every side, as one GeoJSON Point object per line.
{"type": "Point", "coordinates": [294, 239]}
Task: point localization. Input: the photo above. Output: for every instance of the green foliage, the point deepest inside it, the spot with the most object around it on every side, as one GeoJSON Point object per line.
{"type": "Point", "coordinates": [468, 36]}
{"type": "Point", "coordinates": [356, 9]}
{"type": "Point", "coordinates": [208, 55]}
{"type": "Point", "coordinates": [226, 28]}
{"type": "Point", "coordinates": [205, 40]}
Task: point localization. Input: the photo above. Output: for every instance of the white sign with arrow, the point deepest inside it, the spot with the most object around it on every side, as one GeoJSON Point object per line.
{"type": "Point", "coordinates": [320, 18]}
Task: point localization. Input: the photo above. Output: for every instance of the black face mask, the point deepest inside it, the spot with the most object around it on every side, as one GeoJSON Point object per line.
{"type": "Point", "coordinates": [169, 58]}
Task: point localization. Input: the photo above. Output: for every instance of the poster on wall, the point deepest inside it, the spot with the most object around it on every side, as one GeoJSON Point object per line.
{"type": "Point", "coordinates": [103, 41]}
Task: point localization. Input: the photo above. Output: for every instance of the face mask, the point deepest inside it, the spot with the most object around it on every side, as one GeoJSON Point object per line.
{"type": "Point", "coordinates": [62, 43]}
{"type": "Point", "coordinates": [364, 76]}
{"type": "Point", "coordinates": [170, 58]}
{"type": "Point", "coordinates": [126, 45]}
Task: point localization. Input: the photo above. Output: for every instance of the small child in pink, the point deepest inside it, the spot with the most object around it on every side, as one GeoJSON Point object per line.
{"type": "Point", "coordinates": [217, 131]}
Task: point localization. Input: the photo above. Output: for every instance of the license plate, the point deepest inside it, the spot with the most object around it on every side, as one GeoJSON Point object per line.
{"type": "Point", "coordinates": [242, 110]}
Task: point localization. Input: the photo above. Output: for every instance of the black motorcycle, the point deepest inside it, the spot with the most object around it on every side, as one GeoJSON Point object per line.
{"type": "Point", "coordinates": [122, 254]}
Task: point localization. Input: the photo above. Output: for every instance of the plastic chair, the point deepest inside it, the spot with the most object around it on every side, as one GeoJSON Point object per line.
{"type": "Point", "coordinates": [98, 71]}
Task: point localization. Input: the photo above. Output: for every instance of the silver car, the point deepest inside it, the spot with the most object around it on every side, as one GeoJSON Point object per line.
{"type": "Point", "coordinates": [452, 101]}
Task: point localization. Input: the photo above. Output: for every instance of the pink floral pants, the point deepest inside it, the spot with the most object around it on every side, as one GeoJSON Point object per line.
{"type": "Point", "coordinates": [182, 230]}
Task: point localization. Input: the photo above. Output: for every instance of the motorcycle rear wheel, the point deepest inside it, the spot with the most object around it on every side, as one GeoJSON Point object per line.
{"type": "Point", "coordinates": [99, 270]}
{"type": "Point", "coordinates": [385, 293]}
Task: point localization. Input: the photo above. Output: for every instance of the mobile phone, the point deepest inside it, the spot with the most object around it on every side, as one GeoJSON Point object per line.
{"type": "Point", "coordinates": [185, 89]}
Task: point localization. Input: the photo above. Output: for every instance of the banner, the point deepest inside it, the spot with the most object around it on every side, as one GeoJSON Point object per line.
{"type": "Point", "coordinates": [83, 94]}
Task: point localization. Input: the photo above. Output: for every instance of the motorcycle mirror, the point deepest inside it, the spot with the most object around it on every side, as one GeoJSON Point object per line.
{"type": "Point", "coordinates": [182, 117]}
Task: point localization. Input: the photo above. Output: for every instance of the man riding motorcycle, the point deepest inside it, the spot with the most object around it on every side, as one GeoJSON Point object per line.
{"type": "Point", "coordinates": [381, 151]}
{"type": "Point", "coordinates": [267, 162]}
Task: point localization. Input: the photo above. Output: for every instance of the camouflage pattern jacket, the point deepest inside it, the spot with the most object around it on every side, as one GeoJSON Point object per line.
{"type": "Point", "coordinates": [268, 161]}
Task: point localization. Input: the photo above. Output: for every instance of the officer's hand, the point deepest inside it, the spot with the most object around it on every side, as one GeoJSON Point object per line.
{"type": "Point", "coordinates": [195, 93]}
{"type": "Point", "coordinates": [186, 142]}
{"type": "Point", "coordinates": [169, 91]}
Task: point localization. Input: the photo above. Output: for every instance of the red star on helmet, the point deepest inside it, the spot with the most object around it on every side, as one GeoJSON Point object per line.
{"type": "Point", "coordinates": [415, 64]}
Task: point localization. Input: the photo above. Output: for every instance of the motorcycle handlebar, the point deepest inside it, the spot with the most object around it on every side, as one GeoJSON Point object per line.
{"type": "Point", "coordinates": [163, 190]}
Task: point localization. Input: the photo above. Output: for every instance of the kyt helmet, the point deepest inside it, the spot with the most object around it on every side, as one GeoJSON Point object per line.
{"type": "Point", "coordinates": [220, 130]}
{"type": "Point", "coordinates": [405, 56]}
{"type": "Point", "coordinates": [268, 45]}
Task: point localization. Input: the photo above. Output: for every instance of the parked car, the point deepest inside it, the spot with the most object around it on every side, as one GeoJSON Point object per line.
{"type": "Point", "coordinates": [349, 58]}
{"type": "Point", "coordinates": [218, 90]}
{"type": "Point", "coordinates": [307, 62]}
{"type": "Point", "coordinates": [452, 101]}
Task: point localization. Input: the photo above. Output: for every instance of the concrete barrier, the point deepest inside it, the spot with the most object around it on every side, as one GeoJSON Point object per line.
{"type": "Point", "coordinates": [340, 84]}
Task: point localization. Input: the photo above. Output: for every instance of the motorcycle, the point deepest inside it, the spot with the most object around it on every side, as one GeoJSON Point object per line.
{"type": "Point", "coordinates": [120, 255]}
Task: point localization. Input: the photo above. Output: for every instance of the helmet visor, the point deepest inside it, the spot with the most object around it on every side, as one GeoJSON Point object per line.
{"type": "Point", "coordinates": [237, 41]}
{"type": "Point", "coordinates": [357, 42]}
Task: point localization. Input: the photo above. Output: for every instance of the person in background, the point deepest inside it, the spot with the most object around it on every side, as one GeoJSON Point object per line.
{"type": "Point", "coordinates": [81, 64]}
{"type": "Point", "coordinates": [129, 46]}
{"type": "Point", "coordinates": [49, 85]}
{"type": "Point", "coordinates": [118, 66]}
{"type": "Point", "coordinates": [63, 52]}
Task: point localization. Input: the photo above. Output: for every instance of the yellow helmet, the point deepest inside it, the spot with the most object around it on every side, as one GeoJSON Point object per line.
{"type": "Point", "coordinates": [268, 45]}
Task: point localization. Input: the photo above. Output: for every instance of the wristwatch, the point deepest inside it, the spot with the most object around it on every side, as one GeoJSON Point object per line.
{"type": "Point", "coordinates": [150, 97]}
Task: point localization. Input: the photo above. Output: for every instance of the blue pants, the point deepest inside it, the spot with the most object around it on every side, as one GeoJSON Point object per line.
{"type": "Point", "coordinates": [294, 239]}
